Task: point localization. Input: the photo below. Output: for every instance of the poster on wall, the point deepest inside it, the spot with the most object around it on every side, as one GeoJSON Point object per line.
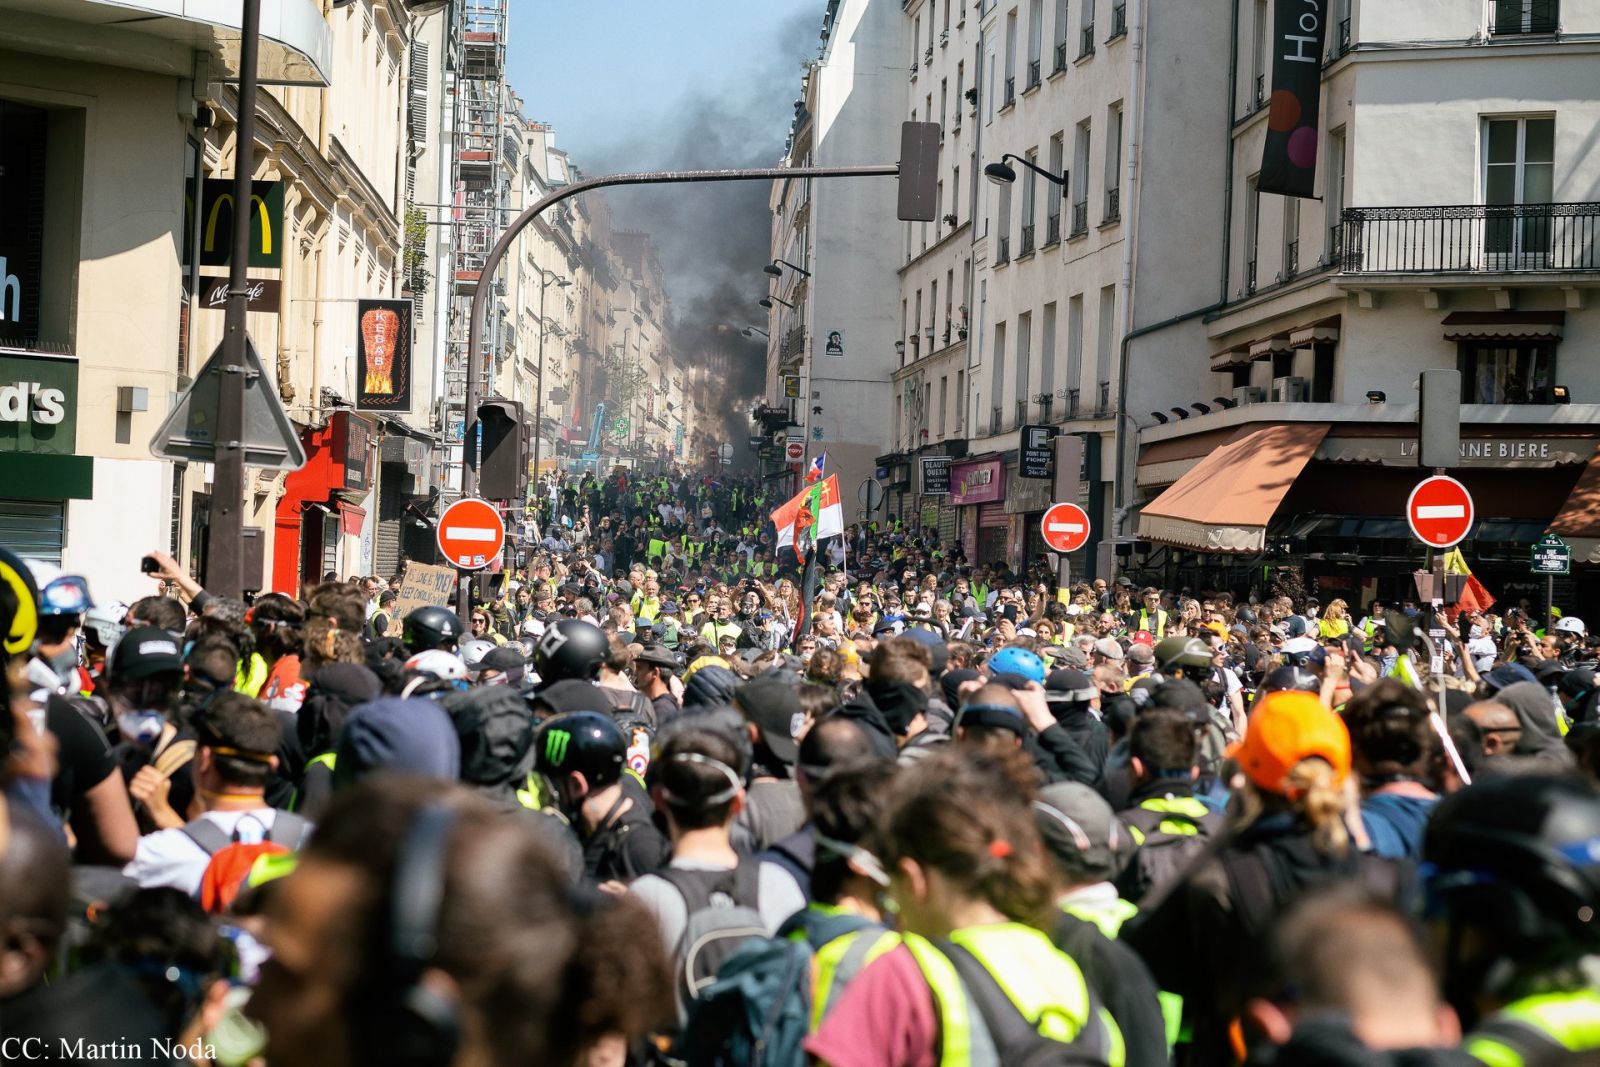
{"type": "Point", "coordinates": [384, 343]}
{"type": "Point", "coordinates": [1289, 157]}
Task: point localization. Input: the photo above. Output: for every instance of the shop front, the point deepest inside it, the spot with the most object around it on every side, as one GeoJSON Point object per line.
{"type": "Point", "coordinates": [978, 491]}
{"type": "Point", "coordinates": [322, 519]}
{"type": "Point", "coordinates": [39, 468]}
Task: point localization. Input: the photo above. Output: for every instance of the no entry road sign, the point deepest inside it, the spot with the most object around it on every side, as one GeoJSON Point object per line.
{"type": "Point", "coordinates": [1439, 511]}
{"type": "Point", "coordinates": [1065, 527]}
{"type": "Point", "coordinates": [471, 534]}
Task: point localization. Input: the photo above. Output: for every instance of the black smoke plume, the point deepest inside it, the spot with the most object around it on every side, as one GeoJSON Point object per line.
{"type": "Point", "coordinates": [713, 240]}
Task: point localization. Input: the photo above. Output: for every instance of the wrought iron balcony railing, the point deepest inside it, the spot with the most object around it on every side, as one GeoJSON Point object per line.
{"type": "Point", "coordinates": [1080, 219]}
{"type": "Point", "coordinates": [1027, 242]}
{"type": "Point", "coordinates": [1512, 17]}
{"type": "Point", "coordinates": [1470, 238]}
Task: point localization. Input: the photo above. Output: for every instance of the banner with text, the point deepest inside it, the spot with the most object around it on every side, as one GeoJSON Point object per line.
{"type": "Point", "coordinates": [384, 341]}
{"type": "Point", "coordinates": [424, 585]}
{"type": "Point", "coordinates": [1289, 159]}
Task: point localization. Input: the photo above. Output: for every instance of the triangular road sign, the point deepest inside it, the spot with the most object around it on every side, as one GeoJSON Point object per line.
{"type": "Point", "coordinates": [188, 433]}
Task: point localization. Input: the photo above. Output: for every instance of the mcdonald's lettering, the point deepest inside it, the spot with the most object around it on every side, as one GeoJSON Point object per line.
{"type": "Point", "coordinates": [555, 746]}
{"type": "Point", "coordinates": [266, 228]}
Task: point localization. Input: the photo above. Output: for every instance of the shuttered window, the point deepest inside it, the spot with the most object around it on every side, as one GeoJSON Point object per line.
{"type": "Point", "coordinates": [36, 529]}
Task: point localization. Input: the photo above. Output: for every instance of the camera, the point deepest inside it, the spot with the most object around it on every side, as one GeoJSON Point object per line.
{"type": "Point", "coordinates": [148, 565]}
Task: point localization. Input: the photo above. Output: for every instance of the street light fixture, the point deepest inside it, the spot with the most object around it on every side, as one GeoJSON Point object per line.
{"type": "Point", "coordinates": [1001, 174]}
{"type": "Point", "coordinates": [776, 271]}
{"type": "Point", "coordinates": [766, 302]}
{"type": "Point", "coordinates": [750, 331]}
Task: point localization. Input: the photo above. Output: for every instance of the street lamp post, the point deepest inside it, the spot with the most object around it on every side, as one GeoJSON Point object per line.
{"type": "Point", "coordinates": [545, 277]}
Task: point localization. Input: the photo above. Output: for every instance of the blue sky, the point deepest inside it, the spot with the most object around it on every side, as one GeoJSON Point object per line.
{"type": "Point", "coordinates": [615, 76]}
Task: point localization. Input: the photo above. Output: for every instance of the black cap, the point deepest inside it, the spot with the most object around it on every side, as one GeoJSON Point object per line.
{"type": "Point", "coordinates": [775, 709]}
{"type": "Point", "coordinates": [1070, 685]}
{"type": "Point", "coordinates": [145, 651]}
{"type": "Point", "coordinates": [502, 658]}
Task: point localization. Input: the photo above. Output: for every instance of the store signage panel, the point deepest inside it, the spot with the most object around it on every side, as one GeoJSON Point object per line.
{"type": "Point", "coordinates": [38, 403]}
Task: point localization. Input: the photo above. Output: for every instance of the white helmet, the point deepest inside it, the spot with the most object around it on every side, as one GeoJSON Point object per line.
{"type": "Point", "coordinates": [445, 666]}
{"type": "Point", "coordinates": [473, 650]}
{"type": "Point", "coordinates": [1570, 624]}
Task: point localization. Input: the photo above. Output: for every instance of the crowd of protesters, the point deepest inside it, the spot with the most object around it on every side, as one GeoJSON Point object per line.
{"type": "Point", "coordinates": [654, 801]}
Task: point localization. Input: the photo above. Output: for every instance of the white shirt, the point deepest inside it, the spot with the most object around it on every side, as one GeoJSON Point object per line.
{"type": "Point", "coordinates": [171, 857]}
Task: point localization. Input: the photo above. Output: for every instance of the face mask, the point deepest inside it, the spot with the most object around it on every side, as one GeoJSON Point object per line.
{"type": "Point", "coordinates": [140, 727]}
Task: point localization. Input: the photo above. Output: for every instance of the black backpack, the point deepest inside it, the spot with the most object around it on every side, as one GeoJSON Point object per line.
{"type": "Point", "coordinates": [1017, 1042]}
{"type": "Point", "coordinates": [1163, 857]}
{"type": "Point", "coordinates": [723, 913]}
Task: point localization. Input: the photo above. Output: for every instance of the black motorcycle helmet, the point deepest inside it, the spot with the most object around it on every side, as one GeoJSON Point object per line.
{"type": "Point", "coordinates": [1289, 677]}
{"type": "Point", "coordinates": [571, 648]}
{"type": "Point", "coordinates": [1511, 875]}
{"type": "Point", "coordinates": [431, 627]}
{"type": "Point", "coordinates": [589, 743]}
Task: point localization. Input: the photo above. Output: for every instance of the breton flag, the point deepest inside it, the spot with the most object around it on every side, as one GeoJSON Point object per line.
{"type": "Point", "coordinates": [815, 473]}
{"type": "Point", "coordinates": [813, 515]}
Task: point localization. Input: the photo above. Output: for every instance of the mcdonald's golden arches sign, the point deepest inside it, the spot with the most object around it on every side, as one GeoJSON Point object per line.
{"type": "Point", "coordinates": [216, 223]}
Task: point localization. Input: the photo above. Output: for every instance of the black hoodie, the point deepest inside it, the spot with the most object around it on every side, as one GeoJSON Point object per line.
{"type": "Point", "coordinates": [861, 710]}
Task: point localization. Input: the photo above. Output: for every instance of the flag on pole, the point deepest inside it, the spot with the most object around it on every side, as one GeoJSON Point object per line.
{"type": "Point", "coordinates": [811, 516]}
{"type": "Point", "coordinates": [814, 474]}
{"type": "Point", "coordinates": [1474, 597]}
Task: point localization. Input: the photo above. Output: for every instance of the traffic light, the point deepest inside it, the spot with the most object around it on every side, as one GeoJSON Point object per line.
{"type": "Point", "coordinates": [503, 466]}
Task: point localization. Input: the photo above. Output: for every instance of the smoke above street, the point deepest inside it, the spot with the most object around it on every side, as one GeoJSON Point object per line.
{"type": "Point", "coordinates": [713, 240]}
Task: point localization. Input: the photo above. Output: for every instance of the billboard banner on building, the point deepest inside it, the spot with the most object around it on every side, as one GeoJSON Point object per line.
{"type": "Point", "coordinates": [935, 476]}
{"type": "Point", "coordinates": [384, 342]}
{"type": "Point", "coordinates": [1289, 159]}
{"type": "Point", "coordinates": [216, 223]}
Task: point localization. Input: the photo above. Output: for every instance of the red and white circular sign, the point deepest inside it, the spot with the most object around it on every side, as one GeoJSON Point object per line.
{"type": "Point", "coordinates": [471, 534]}
{"type": "Point", "coordinates": [1065, 527]}
{"type": "Point", "coordinates": [1439, 511]}
{"type": "Point", "coordinates": [794, 452]}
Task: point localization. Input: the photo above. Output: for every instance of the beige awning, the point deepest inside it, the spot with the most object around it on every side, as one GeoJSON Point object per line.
{"type": "Point", "coordinates": [1578, 521]}
{"type": "Point", "coordinates": [1224, 503]}
{"type": "Point", "coordinates": [1504, 325]}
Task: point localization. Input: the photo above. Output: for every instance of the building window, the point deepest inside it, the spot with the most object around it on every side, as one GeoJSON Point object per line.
{"type": "Point", "coordinates": [944, 402]}
{"type": "Point", "coordinates": [1035, 41]}
{"type": "Point", "coordinates": [1030, 192]}
{"type": "Point", "coordinates": [1506, 372]}
{"type": "Point", "coordinates": [1333, 191]}
{"type": "Point", "coordinates": [1011, 58]}
{"type": "Point", "coordinates": [1259, 53]}
{"type": "Point", "coordinates": [1060, 36]}
{"type": "Point", "coordinates": [1322, 367]}
{"type": "Point", "coordinates": [1519, 169]}
{"type": "Point", "coordinates": [1054, 193]}
{"type": "Point", "coordinates": [1252, 220]}
{"type": "Point", "coordinates": [1003, 224]}
{"type": "Point", "coordinates": [1113, 210]}
{"type": "Point", "coordinates": [1024, 363]}
{"type": "Point", "coordinates": [41, 156]}
{"type": "Point", "coordinates": [1107, 328]}
{"type": "Point", "coordinates": [1074, 379]}
{"type": "Point", "coordinates": [961, 399]}
{"type": "Point", "coordinates": [1047, 359]}
{"type": "Point", "coordinates": [998, 382]}
{"type": "Point", "coordinates": [1526, 16]}
{"type": "Point", "coordinates": [1291, 237]}
{"type": "Point", "coordinates": [1080, 180]}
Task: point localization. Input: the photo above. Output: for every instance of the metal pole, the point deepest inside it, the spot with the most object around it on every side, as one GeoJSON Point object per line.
{"type": "Point", "coordinates": [538, 391]}
{"type": "Point", "coordinates": [225, 533]}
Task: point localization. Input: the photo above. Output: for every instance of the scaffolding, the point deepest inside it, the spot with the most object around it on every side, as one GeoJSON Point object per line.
{"type": "Point", "coordinates": [480, 205]}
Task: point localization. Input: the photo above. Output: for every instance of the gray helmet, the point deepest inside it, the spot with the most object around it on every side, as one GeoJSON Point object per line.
{"type": "Point", "coordinates": [1182, 652]}
{"type": "Point", "coordinates": [473, 650]}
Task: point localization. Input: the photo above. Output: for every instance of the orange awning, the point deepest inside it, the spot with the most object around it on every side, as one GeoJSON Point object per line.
{"type": "Point", "coordinates": [1224, 503]}
{"type": "Point", "coordinates": [1578, 521]}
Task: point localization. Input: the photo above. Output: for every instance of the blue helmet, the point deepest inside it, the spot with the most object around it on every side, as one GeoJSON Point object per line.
{"type": "Point", "coordinates": [1014, 659]}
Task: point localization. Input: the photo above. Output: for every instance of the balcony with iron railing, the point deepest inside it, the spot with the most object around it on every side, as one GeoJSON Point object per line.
{"type": "Point", "coordinates": [1033, 74]}
{"type": "Point", "coordinates": [1011, 92]}
{"type": "Point", "coordinates": [1086, 42]}
{"type": "Point", "coordinates": [1026, 248]}
{"type": "Point", "coordinates": [1471, 239]}
{"type": "Point", "coordinates": [1260, 100]}
{"type": "Point", "coordinates": [1291, 260]}
{"type": "Point", "coordinates": [1105, 398]}
{"type": "Point", "coordinates": [1046, 402]}
{"type": "Point", "coordinates": [1522, 17]}
{"type": "Point", "coordinates": [1080, 219]}
{"type": "Point", "coordinates": [1119, 21]}
{"type": "Point", "coordinates": [1022, 413]}
{"type": "Point", "coordinates": [1002, 251]}
{"type": "Point", "coordinates": [1052, 229]}
{"type": "Point", "coordinates": [1344, 35]}
{"type": "Point", "coordinates": [1250, 277]}
{"type": "Point", "coordinates": [1113, 206]}
{"type": "Point", "coordinates": [995, 421]}
{"type": "Point", "coordinates": [1072, 398]}
{"type": "Point", "coordinates": [1061, 57]}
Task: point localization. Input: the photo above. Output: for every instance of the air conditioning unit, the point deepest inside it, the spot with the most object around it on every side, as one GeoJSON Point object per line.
{"type": "Point", "coordinates": [1249, 394]}
{"type": "Point", "coordinates": [1290, 390]}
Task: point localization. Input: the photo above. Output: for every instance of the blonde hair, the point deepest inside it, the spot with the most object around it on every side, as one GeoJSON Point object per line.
{"type": "Point", "coordinates": [1336, 609]}
{"type": "Point", "coordinates": [1313, 789]}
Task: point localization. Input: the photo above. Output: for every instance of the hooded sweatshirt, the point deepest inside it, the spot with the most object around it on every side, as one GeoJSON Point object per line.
{"type": "Point", "coordinates": [1541, 736]}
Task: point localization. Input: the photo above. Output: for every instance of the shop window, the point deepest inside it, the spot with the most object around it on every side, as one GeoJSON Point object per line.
{"type": "Point", "coordinates": [1507, 372]}
{"type": "Point", "coordinates": [41, 162]}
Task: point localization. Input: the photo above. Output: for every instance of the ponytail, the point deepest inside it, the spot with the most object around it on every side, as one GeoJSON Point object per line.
{"type": "Point", "coordinates": [1321, 797]}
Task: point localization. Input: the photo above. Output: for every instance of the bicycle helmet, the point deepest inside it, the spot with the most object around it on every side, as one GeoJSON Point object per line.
{"type": "Point", "coordinates": [431, 627]}
{"type": "Point", "coordinates": [1570, 624]}
{"type": "Point", "coordinates": [571, 648]}
{"type": "Point", "coordinates": [473, 650]}
{"type": "Point", "coordinates": [445, 666]}
{"type": "Point", "coordinates": [1305, 653]}
{"type": "Point", "coordinates": [1014, 659]}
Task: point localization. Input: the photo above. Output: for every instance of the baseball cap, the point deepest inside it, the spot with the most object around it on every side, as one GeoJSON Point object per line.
{"type": "Point", "coordinates": [1070, 685]}
{"type": "Point", "coordinates": [1144, 637]}
{"type": "Point", "coordinates": [145, 651]}
{"type": "Point", "coordinates": [1110, 648]}
{"type": "Point", "coordinates": [1287, 726]}
{"type": "Point", "coordinates": [775, 710]}
{"type": "Point", "coordinates": [1081, 832]}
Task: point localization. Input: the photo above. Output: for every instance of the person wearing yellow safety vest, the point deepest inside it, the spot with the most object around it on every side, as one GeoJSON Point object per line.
{"type": "Point", "coordinates": [646, 603]}
{"type": "Point", "coordinates": [1150, 617]}
{"type": "Point", "coordinates": [1513, 886]}
{"type": "Point", "coordinates": [721, 623]}
{"type": "Point", "coordinates": [975, 981]}
{"type": "Point", "coordinates": [1087, 847]}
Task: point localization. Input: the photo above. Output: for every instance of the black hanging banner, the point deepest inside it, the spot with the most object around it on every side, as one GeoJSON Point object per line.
{"type": "Point", "coordinates": [1289, 160]}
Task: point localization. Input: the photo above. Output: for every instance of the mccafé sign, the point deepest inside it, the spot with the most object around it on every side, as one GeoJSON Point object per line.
{"type": "Point", "coordinates": [38, 403]}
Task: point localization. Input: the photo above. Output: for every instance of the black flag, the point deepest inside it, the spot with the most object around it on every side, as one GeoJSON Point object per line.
{"type": "Point", "coordinates": [808, 581]}
{"type": "Point", "coordinates": [1289, 160]}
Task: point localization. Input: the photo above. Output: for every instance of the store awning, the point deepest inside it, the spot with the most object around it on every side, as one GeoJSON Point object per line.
{"type": "Point", "coordinates": [1225, 502]}
{"type": "Point", "coordinates": [1504, 325]}
{"type": "Point", "coordinates": [1578, 521]}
